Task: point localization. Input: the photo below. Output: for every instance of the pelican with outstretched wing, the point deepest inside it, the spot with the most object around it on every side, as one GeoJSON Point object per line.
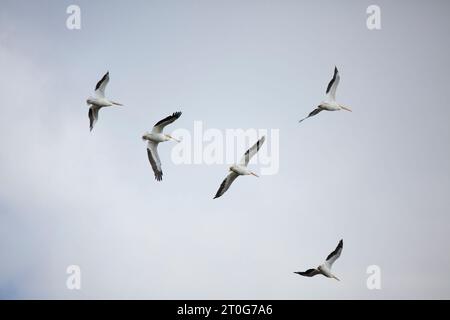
{"type": "Point", "coordinates": [329, 104]}
{"type": "Point", "coordinates": [154, 138]}
{"type": "Point", "coordinates": [240, 169]}
{"type": "Point", "coordinates": [325, 268]}
{"type": "Point", "coordinates": [99, 101]}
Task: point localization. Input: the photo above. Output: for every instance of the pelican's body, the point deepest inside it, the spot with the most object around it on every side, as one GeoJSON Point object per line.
{"type": "Point", "coordinates": [240, 169]}
{"type": "Point", "coordinates": [325, 268]}
{"type": "Point", "coordinates": [99, 101]}
{"type": "Point", "coordinates": [329, 104]}
{"type": "Point", "coordinates": [154, 138]}
{"type": "Point", "coordinates": [325, 271]}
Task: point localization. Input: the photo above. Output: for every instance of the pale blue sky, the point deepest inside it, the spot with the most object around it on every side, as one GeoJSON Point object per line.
{"type": "Point", "coordinates": [377, 177]}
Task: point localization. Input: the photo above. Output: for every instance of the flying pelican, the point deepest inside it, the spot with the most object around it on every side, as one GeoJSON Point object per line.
{"type": "Point", "coordinates": [100, 101]}
{"type": "Point", "coordinates": [325, 268]}
{"type": "Point", "coordinates": [240, 169]}
{"type": "Point", "coordinates": [329, 104]}
{"type": "Point", "coordinates": [155, 137]}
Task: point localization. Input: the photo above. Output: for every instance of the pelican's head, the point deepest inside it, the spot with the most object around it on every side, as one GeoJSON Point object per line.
{"type": "Point", "coordinates": [345, 108]}
{"type": "Point", "coordinates": [169, 137]}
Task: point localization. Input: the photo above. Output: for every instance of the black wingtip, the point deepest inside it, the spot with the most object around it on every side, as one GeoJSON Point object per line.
{"type": "Point", "coordinates": [175, 115]}
{"type": "Point", "coordinates": [101, 80]}
{"type": "Point", "coordinates": [340, 244]}
{"type": "Point", "coordinates": [91, 116]}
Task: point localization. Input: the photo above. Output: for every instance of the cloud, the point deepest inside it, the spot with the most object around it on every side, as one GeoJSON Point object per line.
{"type": "Point", "coordinates": [376, 177]}
{"type": "Point", "coordinates": [64, 200]}
{"type": "Point", "coordinates": [72, 197]}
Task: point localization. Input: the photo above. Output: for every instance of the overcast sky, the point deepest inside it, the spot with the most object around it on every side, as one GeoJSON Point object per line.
{"type": "Point", "coordinates": [378, 177]}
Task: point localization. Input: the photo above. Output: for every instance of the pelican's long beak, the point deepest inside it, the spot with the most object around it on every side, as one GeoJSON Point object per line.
{"type": "Point", "coordinates": [116, 103]}
{"type": "Point", "coordinates": [174, 139]}
{"type": "Point", "coordinates": [336, 278]}
{"type": "Point", "coordinates": [346, 108]}
{"type": "Point", "coordinates": [254, 174]}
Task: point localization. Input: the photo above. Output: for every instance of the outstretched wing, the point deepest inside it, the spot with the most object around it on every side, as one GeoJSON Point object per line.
{"type": "Point", "coordinates": [226, 184]}
{"type": "Point", "coordinates": [252, 151]}
{"type": "Point", "coordinates": [153, 157]}
{"type": "Point", "coordinates": [332, 257]}
{"type": "Point", "coordinates": [332, 86]}
{"type": "Point", "coordinates": [312, 114]}
{"type": "Point", "coordinates": [93, 116]}
{"type": "Point", "coordinates": [158, 128]}
{"type": "Point", "coordinates": [101, 85]}
{"type": "Point", "coordinates": [309, 273]}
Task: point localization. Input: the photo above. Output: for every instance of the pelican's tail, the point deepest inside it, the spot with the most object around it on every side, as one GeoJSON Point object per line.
{"type": "Point", "coordinates": [144, 136]}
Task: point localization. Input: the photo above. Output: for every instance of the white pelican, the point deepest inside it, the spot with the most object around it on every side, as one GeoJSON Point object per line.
{"type": "Point", "coordinates": [329, 104]}
{"type": "Point", "coordinates": [325, 268]}
{"type": "Point", "coordinates": [155, 137]}
{"type": "Point", "coordinates": [240, 169]}
{"type": "Point", "coordinates": [100, 101]}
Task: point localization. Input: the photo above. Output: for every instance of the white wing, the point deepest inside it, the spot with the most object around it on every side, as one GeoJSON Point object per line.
{"type": "Point", "coordinates": [226, 184]}
{"type": "Point", "coordinates": [251, 152]}
{"type": "Point", "coordinates": [101, 85]}
{"type": "Point", "coordinates": [153, 157]}
{"type": "Point", "coordinates": [158, 128]}
{"type": "Point", "coordinates": [332, 257]}
{"type": "Point", "coordinates": [332, 86]}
